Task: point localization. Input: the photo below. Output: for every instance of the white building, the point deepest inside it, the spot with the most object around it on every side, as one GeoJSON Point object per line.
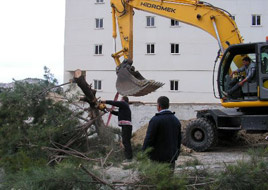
{"type": "Point", "coordinates": [187, 72]}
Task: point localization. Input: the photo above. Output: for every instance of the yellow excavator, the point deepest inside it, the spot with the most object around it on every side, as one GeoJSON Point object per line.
{"type": "Point", "coordinates": [249, 103]}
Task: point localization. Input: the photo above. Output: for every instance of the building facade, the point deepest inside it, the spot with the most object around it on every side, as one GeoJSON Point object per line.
{"type": "Point", "coordinates": [168, 51]}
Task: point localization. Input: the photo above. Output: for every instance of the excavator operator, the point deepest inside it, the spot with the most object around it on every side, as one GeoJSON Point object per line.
{"type": "Point", "coordinates": [250, 68]}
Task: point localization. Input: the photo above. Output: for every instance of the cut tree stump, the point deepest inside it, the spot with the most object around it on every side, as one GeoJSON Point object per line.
{"type": "Point", "coordinates": [90, 97]}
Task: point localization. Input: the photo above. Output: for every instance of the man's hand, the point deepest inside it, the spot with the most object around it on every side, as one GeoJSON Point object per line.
{"type": "Point", "coordinates": [109, 109]}
{"type": "Point", "coordinates": [231, 75]}
{"type": "Point", "coordinates": [242, 82]}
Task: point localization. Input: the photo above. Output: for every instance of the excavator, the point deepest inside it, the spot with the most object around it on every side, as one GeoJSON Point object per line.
{"type": "Point", "coordinates": [246, 109]}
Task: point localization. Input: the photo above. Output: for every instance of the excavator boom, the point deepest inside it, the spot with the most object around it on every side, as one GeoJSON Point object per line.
{"type": "Point", "coordinates": [213, 20]}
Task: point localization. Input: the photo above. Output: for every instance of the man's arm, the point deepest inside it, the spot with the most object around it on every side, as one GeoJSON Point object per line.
{"type": "Point", "coordinates": [250, 74]}
{"type": "Point", "coordinates": [238, 70]}
{"type": "Point", "coordinates": [241, 69]}
{"type": "Point", "coordinates": [150, 135]}
{"type": "Point", "coordinates": [114, 112]}
{"type": "Point", "coordinates": [114, 103]}
{"type": "Point", "coordinates": [243, 81]}
{"type": "Point", "coordinates": [179, 142]}
{"type": "Point", "coordinates": [179, 136]}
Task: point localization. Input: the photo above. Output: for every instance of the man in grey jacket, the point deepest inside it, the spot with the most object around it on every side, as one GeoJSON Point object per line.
{"type": "Point", "coordinates": [250, 69]}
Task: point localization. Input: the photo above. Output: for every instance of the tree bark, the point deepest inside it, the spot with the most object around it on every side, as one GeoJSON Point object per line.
{"type": "Point", "coordinates": [91, 99]}
{"type": "Point", "coordinates": [85, 87]}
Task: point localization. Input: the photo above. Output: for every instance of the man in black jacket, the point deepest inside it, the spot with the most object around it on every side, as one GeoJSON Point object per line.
{"type": "Point", "coordinates": [124, 121]}
{"type": "Point", "coordinates": [163, 134]}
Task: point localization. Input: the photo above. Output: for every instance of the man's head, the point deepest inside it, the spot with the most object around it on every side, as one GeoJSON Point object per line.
{"type": "Point", "coordinates": [125, 99]}
{"type": "Point", "coordinates": [162, 103]}
{"type": "Point", "coordinates": [246, 61]}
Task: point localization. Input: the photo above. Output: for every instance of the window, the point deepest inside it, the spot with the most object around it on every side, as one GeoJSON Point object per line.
{"type": "Point", "coordinates": [99, 1]}
{"type": "Point", "coordinates": [174, 85]}
{"type": "Point", "coordinates": [174, 49]}
{"type": "Point", "coordinates": [264, 59]}
{"type": "Point", "coordinates": [98, 49]}
{"type": "Point", "coordinates": [256, 20]}
{"type": "Point", "coordinates": [97, 84]}
{"type": "Point", "coordinates": [150, 49]}
{"type": "Point", "coordinates": [150, 21]}
{"type": "Point", "coordinates": [174, 23]}
{"type": "Point", "coordinates": [99, 23]}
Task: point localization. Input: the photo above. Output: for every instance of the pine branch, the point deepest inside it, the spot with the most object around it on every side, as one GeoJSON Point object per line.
{"type": "Point", "coordinates": [72, 153]}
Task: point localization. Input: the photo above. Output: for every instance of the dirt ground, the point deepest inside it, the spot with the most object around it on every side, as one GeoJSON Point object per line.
{"type": "Point", "coordinates": [214, 160]}
{"type": "Point", "coordinates": [217, 157]}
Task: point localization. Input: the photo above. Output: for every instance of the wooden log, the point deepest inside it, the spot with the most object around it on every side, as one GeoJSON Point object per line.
{"type": "Point", "coordinates": [85, 87]}
{"type": "Point", "coordinates": [91, 99]}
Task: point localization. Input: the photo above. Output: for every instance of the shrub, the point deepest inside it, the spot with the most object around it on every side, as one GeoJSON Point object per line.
{"type": "Point", "coordinates": [250, 174]}
{"type": "Point", "coordinates": [158, 175]}
{"type": "Point", "coordinates": [29, 121]}
{"type": "Point", "coordinates": [64, 176]}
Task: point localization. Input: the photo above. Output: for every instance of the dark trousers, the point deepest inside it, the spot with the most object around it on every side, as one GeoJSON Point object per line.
{"type": "Point", "coordinates": [172, 165]}
{"type": "Point", "coordinates": [126, 136]}
{"type": "Point", "coordinates": [233, 86]}
{"type": "Point", "coordinates": [233, 89]}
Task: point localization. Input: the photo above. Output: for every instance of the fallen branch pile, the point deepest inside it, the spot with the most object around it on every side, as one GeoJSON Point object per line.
{"type": "Point", "coordinates": [94, 125]}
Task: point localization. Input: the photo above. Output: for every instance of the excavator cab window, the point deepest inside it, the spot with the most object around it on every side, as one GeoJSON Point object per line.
{"type": "Point", "coordinates": [231, 61]}
{"type": "Point", "coordinates": [263, 75]}
{"type": "Point", "coordinates": [264, 61]}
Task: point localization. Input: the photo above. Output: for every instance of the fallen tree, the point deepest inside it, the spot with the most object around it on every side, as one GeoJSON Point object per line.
{"type": "Point", "coordinates": [41, 127]}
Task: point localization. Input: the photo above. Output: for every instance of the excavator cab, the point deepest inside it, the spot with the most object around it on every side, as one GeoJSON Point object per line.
{"type": "Point", "coordinates": [131, 83]}
{"type": "Point", "coordinates": [256, 89]}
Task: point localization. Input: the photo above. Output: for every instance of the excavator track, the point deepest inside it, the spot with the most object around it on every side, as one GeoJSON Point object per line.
{"type": "Point", "coordinates": [132, 83]}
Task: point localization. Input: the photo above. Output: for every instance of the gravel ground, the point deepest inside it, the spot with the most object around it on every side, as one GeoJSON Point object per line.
{"type": "Point", "coordinates": [215, 159]}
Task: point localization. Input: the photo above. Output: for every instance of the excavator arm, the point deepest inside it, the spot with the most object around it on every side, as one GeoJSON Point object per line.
{"type": "Point", "coordinates": [216, 21]}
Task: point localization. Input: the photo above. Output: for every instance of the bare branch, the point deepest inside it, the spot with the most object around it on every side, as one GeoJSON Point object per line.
{"type": "Point", "coordinates": [94, 177]}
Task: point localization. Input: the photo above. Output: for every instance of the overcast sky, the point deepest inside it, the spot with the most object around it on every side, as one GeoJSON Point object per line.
{"type": "Point", "coordinates": [31, 37]}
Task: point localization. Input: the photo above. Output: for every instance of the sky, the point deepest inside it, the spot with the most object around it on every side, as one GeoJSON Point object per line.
{"type": "Point", "coordinates": [31, 37]}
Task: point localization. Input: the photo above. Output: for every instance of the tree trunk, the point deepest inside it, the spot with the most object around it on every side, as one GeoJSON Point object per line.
{"type": "Point", "coordinates": [92, 100]}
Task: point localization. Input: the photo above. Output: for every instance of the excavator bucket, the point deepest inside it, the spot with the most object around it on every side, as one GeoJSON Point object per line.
{"type": "Point", "coordinates": [132, 83]}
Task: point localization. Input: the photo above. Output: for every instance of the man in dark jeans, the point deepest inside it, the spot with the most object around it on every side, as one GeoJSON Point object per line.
{"type": "Point", "coordinates": [124, 121]}
{"type": "Point", "coordinates": [163, 134]}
